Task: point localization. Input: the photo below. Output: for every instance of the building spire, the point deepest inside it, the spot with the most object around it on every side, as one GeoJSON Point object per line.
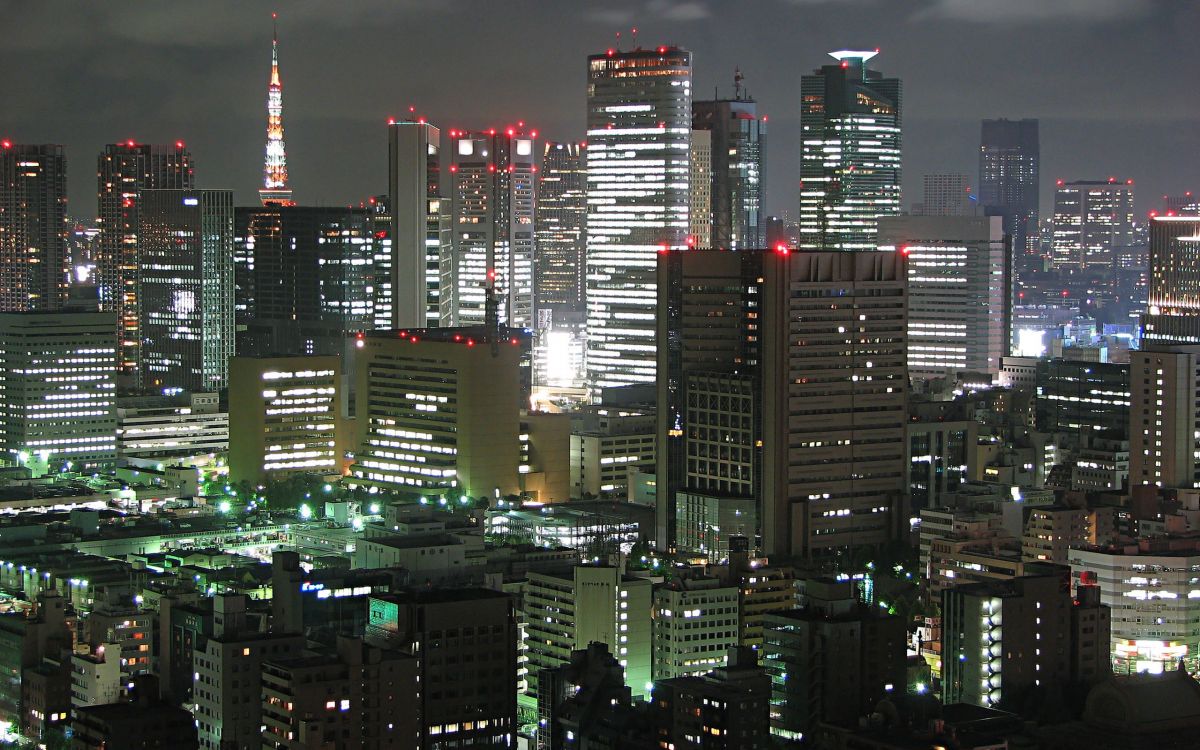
{"type": "Point", "coordinates": [275, 190]}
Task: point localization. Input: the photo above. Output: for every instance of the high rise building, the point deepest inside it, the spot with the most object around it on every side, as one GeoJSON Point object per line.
{"type": "Point", "coordinates": [784, 390]}
{"type": "Point", "coordinates": [728, 708]}
{"type": "Point", "coordinates": [33, 227]}
{"type": "Point", "coordinates": [304, 279]}
{"type": "Point", "coordinates": [1164, 410]}
{"type": "Point", "coordinates": [492, 192]}
{"type": "Point", "coordinates": [700, 197]}
{"type": "Point", "coordinates": [559, 227]}
{"type": "Point", "coordinates": [850, 120]}
{"type": "Point", "coordinates": [737, 138]}
{"type": "Point", "coordinates": [438, 411]}
{"type": "Point", "coordinates": [284, 417]}
{"type": "Point", "coordinates": [275, 189]}
{"type": "Point", "coordinates": [1003, 640]}
{"type": "Point", "coordinates": [58, 380]}
{"type": "Point", "coordinates": [1009, 169]}
{"type": "Point", "coordinates": [465, 642]}
{"type": "Point", "coordinates": [412, 275]}
{"type": "Point", "coordinates": [958, 284]}
{"type": "Point", "coordinates": [831, 661]}
{"type": "Point", "coordinates": [185, 289]}
{"type": "Point", "coordinates": [638, 144]}
{"type": "Point", "coordinates": [125, 171]}
{"type": "Point", "coordinates": [1187, 204]}
{"type": "Point", "coordinates": [946, 195]}
{"type": "Point", "coordinates": [565, 612]}
{"type": "Point", "coordinates": [696, 624]}
{"type": "Point", "coordinates": [1093, 222]}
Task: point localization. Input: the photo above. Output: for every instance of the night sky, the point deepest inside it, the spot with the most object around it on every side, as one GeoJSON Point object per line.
{"type": "Point", "coordinates": [1113, 81]}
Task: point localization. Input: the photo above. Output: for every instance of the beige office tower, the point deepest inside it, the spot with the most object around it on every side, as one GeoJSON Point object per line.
{"type": "Point", "coordinates": [284, 417]}
{"type": "Point", "coordinates": [438, 411]}
{"type": "Point", "coordinates": [782, 400]}
{"type": "Point", "coordinates": [834, 401]}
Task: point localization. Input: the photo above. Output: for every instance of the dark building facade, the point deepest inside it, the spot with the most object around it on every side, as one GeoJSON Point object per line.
{"type": "Point", "coordinates": [1009, 169]}
{"type": "Point", "coordinates": [559, 227]}
{"type": "Point", "coordinates": [303, 278]}
{"type": "Point", "coordinates": [33, 227]}
{"type": "Point", "coordinates": [738, 142]}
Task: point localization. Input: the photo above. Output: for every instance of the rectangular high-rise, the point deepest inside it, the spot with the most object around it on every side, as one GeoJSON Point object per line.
{"type": "Point", "coordinates": [850, 119]}
{"type": "Point", "coordinates": [783, 396]}
{"type": "Point", "coordinates": [639, 124]}
{"type": "Point", "coordinates": [418, 229]}
{"type": "Point", "coordinates": [958, 282]}
{"type": "Point", "coordinates": [124, 171]}
{"type": "Point", "coordinates": [1093, 222]}
{"type": "Point", "coordinates": [304, 278]}
{"type": "Point", "coordinates": [946, 195]}
{"type": "Point", "coordinates": [33, 227]}
{"type": "Point", "coordinates": [58, 388]}
{"type": "Point", "coordinates": [492, 194]}
{"type": "Point", "coordinates": [438, 411]}
{"type": "Point", "coordinates": [737, 142]}
{"type": "Point", "coordinates": [559, 227]}
{"type": "Point", "coordinates": [1009, 169]}
{"type": "Point", "coordinates": [185, 289]}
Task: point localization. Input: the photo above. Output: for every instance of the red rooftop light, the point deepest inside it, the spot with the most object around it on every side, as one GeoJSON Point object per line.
{"type": "Point", "coordinates": [6, 144]}
{"type": "Point", "coordinates": [782, 249]}
{"type": "Point", "coordinates": [178, 144]}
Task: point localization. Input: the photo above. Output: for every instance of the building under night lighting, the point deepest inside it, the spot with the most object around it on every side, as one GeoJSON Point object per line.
{"type": "Point", "coordinates": [58, 388]}
{"type": "Point", "coordinates": [409, 281]}
{"type": "Point", "coordinates": [850, 120]}
{"type": "Point", "coordinates": [185, 289]}
{"type": "Point", "coordinates": [33, 227]}
{"type": "Point", "coordinates": [638, 143]}
{"type": "Point", "coordinates": [1093, 222]}
{"type": "Point", "coordinates": [561, 215]}
{"type": "Point", "coordinates": [492, 192]}
{"type": "Point", "coordinates": [1009, 166]}
{"type": "Point", "coordinates": [737, 143]}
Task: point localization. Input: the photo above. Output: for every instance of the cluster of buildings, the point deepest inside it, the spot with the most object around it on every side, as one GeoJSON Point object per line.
{"type": "Point", "coordinates": [569, 445]}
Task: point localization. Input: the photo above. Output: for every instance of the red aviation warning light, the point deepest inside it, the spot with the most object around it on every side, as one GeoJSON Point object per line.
{"type": "Point", "coordinates": [691, 240]}
{"type": "Point", "coordinates": [782, 248]}
{"type": "Point", "coordinates": [6, 144]}
{"type": "Point", "coordinates": [178, 144]}
{"type": "Point", "coordinates": [905, 251]}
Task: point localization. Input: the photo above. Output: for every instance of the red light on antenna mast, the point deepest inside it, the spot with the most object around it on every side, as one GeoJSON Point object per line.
{"type": "Point", "coordinates": [533, 134]}
{"type": "Point", "coordinates": [611, 52]}
{"type": "Point", "coordinates": [6, 144]}
{"type": "Point", "coordinates": [178, 144]}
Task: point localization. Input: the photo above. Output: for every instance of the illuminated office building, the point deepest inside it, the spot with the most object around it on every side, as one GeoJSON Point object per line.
{"type": "Point", "coordinates": [850, 121]}
{"type": "Point", "coordinates": [1093, 222]}
{"type": "Point", "coordinates": [124, 171]}
{"type": "Point", "coordinates": [492, 192]}
{"type": "Point", "coordinates": [559, 228]}
{"type": "Point", "coordinates": [411, 274]}
{"type": "Point", "coordinates": [958, 311]}
{"type": "Point", "coordinates": [438, 411]}
{"type": "Point", "coordinates": [33, 227]}
{"type": "Point", "coordinates": [304, 278]}
{"type": "Point", "coordinates": [284, 417]}
{"type": "Point", "coordinates": [638, 145]}
{"type": "Point", "coordinates": [700, 197]}
{"type": "Point", "coordinates": [737, 139]}
{"type": "Point", "coordinates": [58, 388]}
{"type": "Point", "coordinates": [1009, 167]}
{"type": "Point", "coordinates": [783, 396]}
{"type": "Point", "coordinates": [185, 289]}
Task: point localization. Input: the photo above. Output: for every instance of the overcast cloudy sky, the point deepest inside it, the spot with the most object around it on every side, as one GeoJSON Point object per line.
{"type": "Point", "coordinates": [1114, 82]}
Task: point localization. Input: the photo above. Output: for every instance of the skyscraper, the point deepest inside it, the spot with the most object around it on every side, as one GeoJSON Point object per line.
{"type": "Point", "coordinates": [700, 195]}
{"type": "Point", "coordinates": [492, 194]}
{"type": "Point", "coordinates": [850, 119]}
{"type": "Point", "coordinates": [275, 188]}
{"type": "Point", "coordinates": [946, 195]}
{"type": "Point", "coordinates": [419, 228]}
{"type": "Point", "coordinates": [561, 215]}
{"type": "Point", "coordinates": [958, 311]}
{"type": "Point", "coordinates": [737, 145]}
{"type": "Point", "coordinates": [638, 142]}
{"type": "Point", "coordinates": [33, 227]}
{"type": "Point", "coordinates": [125, 170]}
{"type": "Point", "coordinates": [304, 278]}
{"type": "Point", "coordinates": [1009, 162]}
{"type": "Point", "coordinates": [185, 289]}
{"type": "Point", "coordinates": [1093, 222]}
{"type": "Point", "coordinates": [58, 388]}
{"type": "Point", "coordinates": [782, 398]}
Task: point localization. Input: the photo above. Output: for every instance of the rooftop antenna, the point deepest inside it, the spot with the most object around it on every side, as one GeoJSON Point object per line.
{"type": "Point", "coordinates": [618, 41]}
{"type": "Point", "coordinates": [737, 83]}
{"type": "Point", "coordinates": [633, 31]}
